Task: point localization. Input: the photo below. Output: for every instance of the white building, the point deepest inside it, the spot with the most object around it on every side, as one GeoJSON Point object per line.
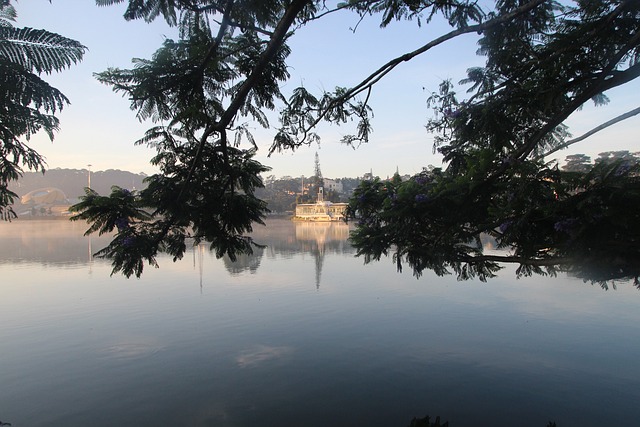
{"type": "Point", "coordinates": [320, 211]}
{"type": "Point", "coordinates": [333, 185]}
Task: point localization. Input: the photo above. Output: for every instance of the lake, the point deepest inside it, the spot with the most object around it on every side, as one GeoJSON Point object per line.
{"type": "Point", "coordinates": [302, 333]}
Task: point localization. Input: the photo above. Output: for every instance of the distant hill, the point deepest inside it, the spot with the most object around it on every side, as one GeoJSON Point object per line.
{"type": "Point", "coordinates": [73, 181]}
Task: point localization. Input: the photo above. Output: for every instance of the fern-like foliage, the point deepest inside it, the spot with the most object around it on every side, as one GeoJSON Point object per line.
{"type": "Point", "coordinates": [541, 61]}
{"type": "Point", "coordinates": [539, 68]}
{"type": "Point", "coordinates": [27, 102]}
{"type": "Point", "coordinates": [228, 64]}
{"type": "Point", "coordinates": [38, 51]}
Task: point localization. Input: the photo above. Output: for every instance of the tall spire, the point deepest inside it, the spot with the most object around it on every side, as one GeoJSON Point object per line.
{"type": "Point", "coordinates": [317, 171]}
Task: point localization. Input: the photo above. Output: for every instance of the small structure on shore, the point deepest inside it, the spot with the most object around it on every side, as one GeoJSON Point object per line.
{"type": "Point", "coordinates": [48, 201]}
{"type": "Point", "coordinates": [44, 196]}
{"type": "Point", "coordinates": [320, 211]}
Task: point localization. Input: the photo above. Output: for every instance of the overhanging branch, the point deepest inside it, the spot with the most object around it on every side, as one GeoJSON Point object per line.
{"type": "Point", "coordinates": [367, 83]}
{"type": "Point", "coordinates": [601, 85]}
{"type": "Point", "coordinates": [535, 262]}
{"type": "Point", "coordinates": [593, 131]}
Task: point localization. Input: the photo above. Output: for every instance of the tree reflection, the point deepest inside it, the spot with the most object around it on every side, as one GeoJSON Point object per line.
{"type": "Point", "coordinates": [48, 242]}
{"type": "Point", "coordinates": [244, 262]}
{"type": "Point", "coordinates": [59, 242]}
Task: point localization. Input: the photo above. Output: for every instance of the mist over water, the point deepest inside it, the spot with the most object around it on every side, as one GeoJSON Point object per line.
{"type": "Point", "coordinates": [301, 333]}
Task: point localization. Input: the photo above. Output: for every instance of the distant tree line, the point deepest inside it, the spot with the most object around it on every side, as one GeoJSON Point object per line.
{"type": "Point", "coordinates": [73, 181]}
{"type": "Point", "coordinates": [583, 163]}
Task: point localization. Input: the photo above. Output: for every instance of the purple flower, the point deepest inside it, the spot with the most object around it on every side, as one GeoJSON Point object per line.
{"type": "Point", "coordinates": [565, 225]}
{"type": "Point", "coordinates": [122, 223]}
{"type": "Point", "coordinates": [394, 199]}
{"type": "Point", "coordinates": [505, 226]}
{"type": "Point", "coordinates": [623, 169]}
{"type": "Point", "coordinates": [451, 114]}
{"type": "Point", "coordinates": [421, 180]}
{"type": "Point", "coordinates": [421, 198]}
{"type": "Point", "coordinates": [508, 161]}
{"type": "Point", "coordinates": [128, 241]}
{"type": "Point", "coordinates": [367, 221]}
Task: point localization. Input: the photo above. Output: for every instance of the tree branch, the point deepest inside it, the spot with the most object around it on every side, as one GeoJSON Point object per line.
{"type": "Point", "coordinates": [602, 84]}
{"type": "Point", "coordinates": [274, 44]}
{"type": "Point", "coordinates": [596, 129]}
{"type": "Point", "coordinates": [377, 75]}
{"type": "Point", "coordinates": [279, 34]}
{"type": "Point", "coordinates": [196, 160]}
{"type": "Point", "coordinates": [226, 22]}
{"type": "Point", "coordinates": [608, 79]}
{"type": "Point", "coordinates": [537, 262]}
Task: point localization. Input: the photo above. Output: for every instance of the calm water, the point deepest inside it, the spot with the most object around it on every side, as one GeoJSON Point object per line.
{"type": "Point", "coordinates": [301, 334]}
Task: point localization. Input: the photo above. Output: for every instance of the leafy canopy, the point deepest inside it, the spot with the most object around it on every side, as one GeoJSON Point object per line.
{"type": "Point", "coordinates": [28, 104]}
{"type": "Point", "coordinates": [539, 69]}
{"type": "Point", "coordinates": [542, 59]}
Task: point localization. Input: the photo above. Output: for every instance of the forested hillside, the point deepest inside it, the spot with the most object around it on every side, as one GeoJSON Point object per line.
{"type": "Point", "coordinates": [73, 181]}
{"type": "Point", "coordinates": [281, 194]}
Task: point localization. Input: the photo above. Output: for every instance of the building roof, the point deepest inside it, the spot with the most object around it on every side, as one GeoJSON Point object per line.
{"type": "Point", "coordinates": [48, 195]}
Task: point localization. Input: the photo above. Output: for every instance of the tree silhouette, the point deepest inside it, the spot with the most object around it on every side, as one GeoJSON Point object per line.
{"type": "Point", "coordinates": [542, 61]}
{"type": "Point", "coordinates": [28, 103]}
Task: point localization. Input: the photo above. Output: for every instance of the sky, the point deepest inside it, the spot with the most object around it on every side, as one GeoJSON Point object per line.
{"type": "Point", "coordinates": [99, 128]}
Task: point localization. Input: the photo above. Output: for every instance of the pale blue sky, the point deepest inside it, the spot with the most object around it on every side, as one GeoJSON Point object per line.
{"type": "Point", "coordinates": [98, 128]}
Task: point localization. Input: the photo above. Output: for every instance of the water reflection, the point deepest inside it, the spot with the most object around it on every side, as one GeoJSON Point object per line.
{"type": "Point", "coordinates": [61, 242]}
{"type": "Point", "coordinates": [244, 262]}
{"type": "Point", "coordinates": [283, 238]}
{"type": "Point", "coordinates": [260, 354]}
{"type": "Point", "coordinates": [372, 347]}
{"type": "Point", "coordinates": [48, 242]}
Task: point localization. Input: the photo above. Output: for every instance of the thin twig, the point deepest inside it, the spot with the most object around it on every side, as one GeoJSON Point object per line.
{"type": "Point", "coordinates": [377, 75]}
{"type": "Point", "coordinates": [596, 129]}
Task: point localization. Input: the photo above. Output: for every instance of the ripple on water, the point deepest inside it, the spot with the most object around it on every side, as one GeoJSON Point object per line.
{"type": "Point", "coordinates": [129, 351]}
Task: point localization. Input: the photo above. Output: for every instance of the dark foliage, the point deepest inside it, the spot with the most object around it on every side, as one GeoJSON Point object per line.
{"type": "Point", "coordinates": [542, 61]}
{"type": "Point", "coordinates": [28, 104]}
{"type": "Point", "coordinates": [540, 68]}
